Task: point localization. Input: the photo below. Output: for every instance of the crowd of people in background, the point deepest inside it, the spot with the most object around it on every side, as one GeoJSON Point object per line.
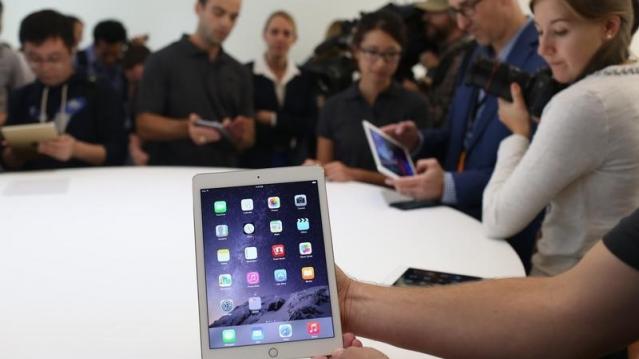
{"type": "Point", "coordinates": [552, 186]}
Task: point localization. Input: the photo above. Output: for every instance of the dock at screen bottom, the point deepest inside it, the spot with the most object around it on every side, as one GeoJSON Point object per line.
{"type": "Point", "coordinates": [270, 333]}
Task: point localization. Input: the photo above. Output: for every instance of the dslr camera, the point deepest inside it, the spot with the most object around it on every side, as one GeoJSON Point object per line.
{"type": "Point", "coordinates": [495, 78]}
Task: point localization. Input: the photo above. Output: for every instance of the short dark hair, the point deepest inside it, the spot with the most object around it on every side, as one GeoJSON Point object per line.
{"type": "Point", "coordinates": [135, 55]}
{"type": "Point", "coordinates": [109, 31]}
{"type": "Point", "coordinates": [74, 19]}
{"type": "Point", "coordinates": [382, 20]}
{"type": "Point", "coordinates": [43, 25]}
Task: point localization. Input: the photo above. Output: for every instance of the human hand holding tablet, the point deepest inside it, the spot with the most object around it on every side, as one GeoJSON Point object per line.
{"type": "Point", "coordinates": [391, 158]}
{"type": "Point", "coordinates": [266, 277]}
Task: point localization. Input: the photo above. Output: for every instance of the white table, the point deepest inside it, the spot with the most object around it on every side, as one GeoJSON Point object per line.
{"type": "Point", "coordinates": [100, 263]}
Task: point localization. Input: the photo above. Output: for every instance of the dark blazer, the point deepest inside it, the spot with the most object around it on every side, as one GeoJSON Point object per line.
{"type": "Point", "coordinates": [293, 138]}
{"type": "Point", "coordinates": [488, 131]}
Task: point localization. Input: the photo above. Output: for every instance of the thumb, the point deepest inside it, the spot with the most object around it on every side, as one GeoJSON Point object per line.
{"type": "Point", "coordinates": [518, 97]}
{"type": "Point", "coordinates": [425, 165]}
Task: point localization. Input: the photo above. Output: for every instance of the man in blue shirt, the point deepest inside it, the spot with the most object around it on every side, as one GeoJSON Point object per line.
{"type": "Point", "coordinates": [460, 158]}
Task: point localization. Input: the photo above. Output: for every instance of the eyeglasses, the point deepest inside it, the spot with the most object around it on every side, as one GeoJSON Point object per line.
{"type": "Point", "coordinates": [53, 60]}
{"type": "Point", "coordinates": [373, 55]}
{"type": "Point", "coordinates": [466, 9]}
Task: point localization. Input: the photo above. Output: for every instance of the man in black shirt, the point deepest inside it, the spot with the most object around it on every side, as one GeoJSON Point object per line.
{"type": "Point", "coordinates": [86, 113]}
{"type": "Point", "coordinates": [588, 311]}
{"type": "Point", "coordinates": [194, 79]}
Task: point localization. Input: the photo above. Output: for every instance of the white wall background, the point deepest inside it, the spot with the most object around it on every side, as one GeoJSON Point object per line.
{"type": "Point", "coordinates": [166, 20]}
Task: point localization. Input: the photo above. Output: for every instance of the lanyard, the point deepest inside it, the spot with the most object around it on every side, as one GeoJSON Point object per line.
{"type": "Point", "coordinates": [62, 117]}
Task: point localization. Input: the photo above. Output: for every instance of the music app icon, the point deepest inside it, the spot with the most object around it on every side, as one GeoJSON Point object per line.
{"type": "Point", "coordinates": [313, 328]}
{"type": "Point", "coordinates": [253, 278]}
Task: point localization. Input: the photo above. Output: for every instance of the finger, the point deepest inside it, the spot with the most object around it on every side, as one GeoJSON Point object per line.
{"type": "Point", "coordinates": [193, 117]}
{"type": "Point", "coordinates": [332, 165]}
{"type": "Point", "coordinates": [349, 340]}
{"type": "Point", "coordinates": [208, 132]}
{"type": "Point", "coordinates": [389, 129]}
{"type": "Point", "coordinates": [406, 184]}
{"type": "Point", "coordinates": [329, 172]}
{"type": "Point", "coordinates": [337, 353]}
{"type": "Point", "coordinates": [42, 148]}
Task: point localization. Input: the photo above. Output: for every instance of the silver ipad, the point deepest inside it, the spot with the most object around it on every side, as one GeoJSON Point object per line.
{"type": "Point", "coordinates": [391, 158]}
{"type": "Point", "coordinates": [266, 275]}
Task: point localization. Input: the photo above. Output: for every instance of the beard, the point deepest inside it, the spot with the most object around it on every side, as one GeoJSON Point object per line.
{"type": "Point", "coordinates": [208, 36]}
{"type": "Point", "coordinates": [438, 34]}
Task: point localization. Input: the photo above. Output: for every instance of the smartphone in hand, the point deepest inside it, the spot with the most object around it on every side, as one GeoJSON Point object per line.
{"type": "Point", "coordinates": [217, 126]}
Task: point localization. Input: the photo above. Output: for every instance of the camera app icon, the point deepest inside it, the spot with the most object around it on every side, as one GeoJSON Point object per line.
{"type": "Point", "coordinates": [300, 200]}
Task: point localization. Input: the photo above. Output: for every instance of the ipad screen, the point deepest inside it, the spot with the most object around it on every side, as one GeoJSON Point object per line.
{"type": "Point", "coordinates": [265, 264]}
{"type": "Point", "coordinates": [391, 156]}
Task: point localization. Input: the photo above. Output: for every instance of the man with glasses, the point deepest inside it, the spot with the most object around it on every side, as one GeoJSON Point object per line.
{"type": "Point", "coordinates": [460, 158]}
{"type": "Point", "coordinates": [86, 112]}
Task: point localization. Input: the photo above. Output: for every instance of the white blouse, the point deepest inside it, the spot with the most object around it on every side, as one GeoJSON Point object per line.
{"type": "Point", "coordinates": [583, 165]}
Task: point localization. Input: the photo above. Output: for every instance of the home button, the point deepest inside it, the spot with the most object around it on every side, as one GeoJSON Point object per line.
{"type": "Point", "coordinates": [273, 353]}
